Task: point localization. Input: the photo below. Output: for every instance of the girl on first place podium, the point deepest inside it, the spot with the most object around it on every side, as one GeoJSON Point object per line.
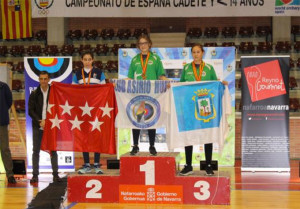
{"type": "Point", "coordinates": [145, 66]}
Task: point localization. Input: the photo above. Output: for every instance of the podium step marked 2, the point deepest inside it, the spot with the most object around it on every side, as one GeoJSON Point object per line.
{"type": "Point", "coordinates": [149, 179]}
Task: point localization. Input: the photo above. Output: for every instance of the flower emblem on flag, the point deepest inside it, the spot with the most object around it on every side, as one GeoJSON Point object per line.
{"type": "Point", "coordinates": [204, 108]}
{"type": "Point", "coordinates": [198, 105]}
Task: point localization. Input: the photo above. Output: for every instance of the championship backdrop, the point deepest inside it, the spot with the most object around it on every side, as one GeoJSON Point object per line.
{"type": "Point", "coordinates": [265, 113]}
{"type": "Point", "coordinates": [164, 8]}
{"type": "Point", "coordinates": [60, 70]}
{"type": "Point", "coordinates": [173, 59]}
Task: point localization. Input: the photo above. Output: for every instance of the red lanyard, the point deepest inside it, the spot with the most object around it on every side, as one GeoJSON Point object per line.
{"type": "Point", "coordinates": [201, 67]}
{"type": "Point", "coordinates": [144, 67]}
{"type": "Point", "coordinates": [83, 77]}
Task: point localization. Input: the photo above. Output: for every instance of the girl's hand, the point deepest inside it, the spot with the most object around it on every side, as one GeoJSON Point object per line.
{"type": "Point", "coordinates": [225, 83]}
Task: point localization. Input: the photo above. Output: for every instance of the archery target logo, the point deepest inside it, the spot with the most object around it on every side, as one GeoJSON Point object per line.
{"type": "Point", "coordinates": [58, 67]}
{"type": "Point", "coordinates": [143, 111]}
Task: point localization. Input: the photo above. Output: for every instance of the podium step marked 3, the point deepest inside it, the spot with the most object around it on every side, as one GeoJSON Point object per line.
{"type": "Point", "coordinates": [149, 179]}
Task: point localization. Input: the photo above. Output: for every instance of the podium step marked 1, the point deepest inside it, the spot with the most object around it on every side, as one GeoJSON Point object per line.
{"type": "Point", "coordinates": [149, 179]}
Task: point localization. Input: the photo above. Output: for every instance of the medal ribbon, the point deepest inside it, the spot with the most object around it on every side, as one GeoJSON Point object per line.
{"type": "Point", "coordinates": [201, 67]}
{"type": "Point", "coordinates": [144, 67]}
{"type": "Point", "coordinates": [83, 77]}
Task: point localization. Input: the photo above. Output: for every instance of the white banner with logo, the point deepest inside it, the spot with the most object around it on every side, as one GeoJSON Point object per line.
{"type": "Point", "coordinates": [164, 8]}
{"type": "Point", "coordinates": [142, 104]}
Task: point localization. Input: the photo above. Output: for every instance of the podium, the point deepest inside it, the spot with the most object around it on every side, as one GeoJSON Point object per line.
{"type": "Point", "coordinates": [149, 179]}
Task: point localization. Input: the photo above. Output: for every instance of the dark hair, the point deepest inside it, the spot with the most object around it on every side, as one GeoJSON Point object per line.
{"type": "Point", "coordinates": [44, 73]}
{"type": "Point", "coordinates": [87, 53]}
{"type": "Point", "coordinates": [199, 45]}
{"type": "Point", "coordinates": [144, 36]}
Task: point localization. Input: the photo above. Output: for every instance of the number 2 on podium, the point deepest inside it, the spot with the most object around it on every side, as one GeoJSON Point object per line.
{"type": "Point", "coordinates": [92, 194]}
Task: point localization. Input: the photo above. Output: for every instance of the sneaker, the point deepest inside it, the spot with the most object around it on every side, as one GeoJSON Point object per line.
{"type": "Point", "coordinates": [98, 169]}
{"type": "Point", "coordinates": [209, 171]}
{"type": "Point", "coordinates": [34, 179]}
{"type": "Point", "coordinates": [11, 180]}
{"type": "Point", "coordinates": [187, 170]}
{"type": "Point", "coordinates": [152, 150]}
{"type": "Point", "coordinates": [135, 150]}
{"type": "Point", "coordinates": [85, 169]}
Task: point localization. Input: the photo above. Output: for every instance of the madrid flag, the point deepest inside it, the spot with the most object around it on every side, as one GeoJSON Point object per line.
{"type": "Point", "coordinates": [80, 118]}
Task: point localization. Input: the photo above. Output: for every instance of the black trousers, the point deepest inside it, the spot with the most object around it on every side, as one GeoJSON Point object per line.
{"type": "Point", "coordinates": [5, 151]}
{"type": "Point", "coordinates": [189, 153]}
{"type": "Point", "coordinates": [37, 136]}
{"type": "Point", "coordinates": [86, 157]}
{"type": "Point", "coordinates": [136, 136]}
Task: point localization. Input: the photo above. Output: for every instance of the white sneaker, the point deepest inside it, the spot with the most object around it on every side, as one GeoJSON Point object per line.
{"type": "Point", "coordinates": [85, 169]}
{"type": "Point", "coordinates": [98, 170]}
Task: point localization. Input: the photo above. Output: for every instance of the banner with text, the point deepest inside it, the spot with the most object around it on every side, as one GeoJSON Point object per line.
{"type": "Point", "coordinates": [142, 104]}
{"type": "Point", "coordinates": [60, 70]}
{"type": "Point", "coordinates": [265, 113]}
{"type": "Point", "coordinates": [165, 8]}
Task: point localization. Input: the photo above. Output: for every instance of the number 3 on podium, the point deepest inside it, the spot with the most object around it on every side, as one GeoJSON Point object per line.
{"type": "Point", "coordinates": [204, 193]}
{"type": "Point", "coordinates": [149, 169]}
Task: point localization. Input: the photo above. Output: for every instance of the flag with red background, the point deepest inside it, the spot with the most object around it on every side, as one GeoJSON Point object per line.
{"type": "Point", "coordinates": [80, 118]}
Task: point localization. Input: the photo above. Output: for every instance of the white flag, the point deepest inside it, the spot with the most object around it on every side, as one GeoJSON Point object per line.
{"type": "Point", "coordinates": [142, 104]}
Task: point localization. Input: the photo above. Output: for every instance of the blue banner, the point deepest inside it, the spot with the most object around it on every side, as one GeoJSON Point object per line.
{"type": "Point", "coordinates": [198, 106]}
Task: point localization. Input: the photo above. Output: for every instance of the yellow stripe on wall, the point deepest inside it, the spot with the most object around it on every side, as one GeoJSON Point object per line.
{"type": "Point", "coordinates": [3, 21]}
{"type": "Point", "coordinates": [10, 25]}
{"type": "Point", "coordinates": [29, 18]}
{"type": "Point", "coordinates": [24, 15]}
